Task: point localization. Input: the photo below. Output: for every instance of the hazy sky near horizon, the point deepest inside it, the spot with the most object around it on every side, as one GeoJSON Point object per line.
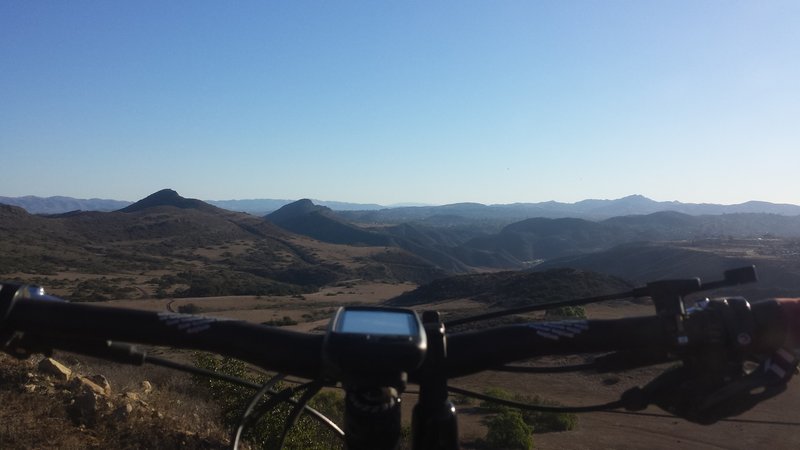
{"type": "Point", "coordinates": [402, 101]}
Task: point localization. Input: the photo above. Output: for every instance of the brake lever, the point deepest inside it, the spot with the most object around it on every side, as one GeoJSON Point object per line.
{"type": "Point", "coordinates": [680, 393]}
{"type": "Point", "coordinates": [712, 383]}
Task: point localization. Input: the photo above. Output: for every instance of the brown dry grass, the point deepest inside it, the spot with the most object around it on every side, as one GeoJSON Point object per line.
{"type": "Point", "coordinates": [174, 415]}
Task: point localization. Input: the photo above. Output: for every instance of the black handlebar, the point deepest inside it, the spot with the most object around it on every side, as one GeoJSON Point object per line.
{"type": "Point", "coordinates": [299, 353]}
{"type": "Point", "coordinates": [268, 347]}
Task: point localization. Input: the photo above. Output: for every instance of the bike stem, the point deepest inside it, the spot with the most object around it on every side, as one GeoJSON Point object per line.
{"type": "Point", "coordinates": [434, 425]}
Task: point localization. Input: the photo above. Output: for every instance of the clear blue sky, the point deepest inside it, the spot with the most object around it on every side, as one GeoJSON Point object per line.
{"type": "Point", "coordinates": [399, 101]}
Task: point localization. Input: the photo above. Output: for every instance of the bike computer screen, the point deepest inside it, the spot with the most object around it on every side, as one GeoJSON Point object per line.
{"type": "Point", "coordinates": [371, 339]}
{"type": "Point", "coordinates": [388, 323]}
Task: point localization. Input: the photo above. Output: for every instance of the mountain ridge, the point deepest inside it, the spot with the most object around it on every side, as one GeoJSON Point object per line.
{"type": "Point", "coordinates": [594, 209]}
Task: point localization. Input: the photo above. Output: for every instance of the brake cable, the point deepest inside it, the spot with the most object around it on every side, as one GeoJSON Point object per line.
{"type": "Point", "coordinates": [322, 418]}
{"type": "Point", "coordinates": [539, 408]}
{"type": "Point", "coordinates": [513, 368]}
{"type": "Point", "coordinates": [617, 361]}
{"type": "Point", "coordinates": [248, 412]}
{"type": "Point", "coordinates": [538, 307]}
{"type": "Point", "coordinates": [251, 414]}
{"type": "Point", "coordinates": [291, 420]}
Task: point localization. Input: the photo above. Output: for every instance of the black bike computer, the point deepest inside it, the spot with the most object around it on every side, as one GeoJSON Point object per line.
{"type": "Point", "coordinates": [364, 339]}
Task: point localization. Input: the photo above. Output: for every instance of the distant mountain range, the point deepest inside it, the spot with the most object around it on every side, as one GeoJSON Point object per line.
{"type": "Point", "coordinates": [528, 242]}
{"type": "Point", "coordinates": [242, 252]}
{"type": "Point", "coordinates": [585, 209]}
{"type": "Point", "coordinates": [435, 215]}
{"type": "Point", "coordinates": [59, 205]}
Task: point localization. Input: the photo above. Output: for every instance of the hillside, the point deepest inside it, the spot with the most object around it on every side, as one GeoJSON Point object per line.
{"type": "Point", "coordinates": [510, 289]}
{"type": "Point", "coordinates": [532, 241]}
{"type": "Point", "coordinates": [319, 222]}
{"type": "Point", "coordinates": [166, 245]}
{"type": "Point", "coordinates": [527, 243]}
{"type": "Point", "coordinates": [426, 245]}
{"type": "Point", "coordinates": [643, 262]}
{"type": "Point", "coordinates": [541, 238]}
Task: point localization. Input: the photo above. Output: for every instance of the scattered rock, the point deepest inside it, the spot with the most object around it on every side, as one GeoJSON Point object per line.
{"type": "Point", "coordinates": [81, 382]}
{"type": "Point", "coordinates": [123, 411]}
{"type": "Point", "coordinates": [56, 369]}
{"type": "Point", "coordinates": [71, 360]}
{"type": "Point", "coordinates": [102, 381]}
{"type": "Point", "coordinates": [90, 397]}
{"type": "Point", "coordinates": [87, 405]}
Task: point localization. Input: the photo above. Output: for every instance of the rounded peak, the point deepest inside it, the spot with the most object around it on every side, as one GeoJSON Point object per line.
{"type": "Point", "coordinates": [303, 203]}
{"type": "Point", "coordinates": [165, 194]}
{"type": "Point", "coordinates": [299, 208]}
{"type": "Point", "coordinates": [166, 197]}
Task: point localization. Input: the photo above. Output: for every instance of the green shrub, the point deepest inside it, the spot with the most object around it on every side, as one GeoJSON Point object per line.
{"type": "Point", "coordinates": [189, 308]}
{"type": "Point", "coordinates": [507, 430]}
{"type": "Point", "coordinates": [265, 433]}
{"type": "Point", "coordinates": [566, 312]}
{"type": "Point", "coordinates": [542, 422]}
{"type": "Point", "coordinates": [286, 320]}
{"type": "Point", "coordinates": [497, 392]}
{"type": "Point", "coordinates": [546, 422]}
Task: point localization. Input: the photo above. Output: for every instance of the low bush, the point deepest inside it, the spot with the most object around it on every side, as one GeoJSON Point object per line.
{"type": "Point", "coordinates": [266, 432]}
{"type": "Point", "coordinates": [566, 312]}
{"type": "Point", "coordinates": [286, 320]}
{"type": "Point", "coordinates": [542, 422]}
{"type": "Point", "coordinates": [508, 430]}
{"type": "Point", "coordinates": [189, 308]}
